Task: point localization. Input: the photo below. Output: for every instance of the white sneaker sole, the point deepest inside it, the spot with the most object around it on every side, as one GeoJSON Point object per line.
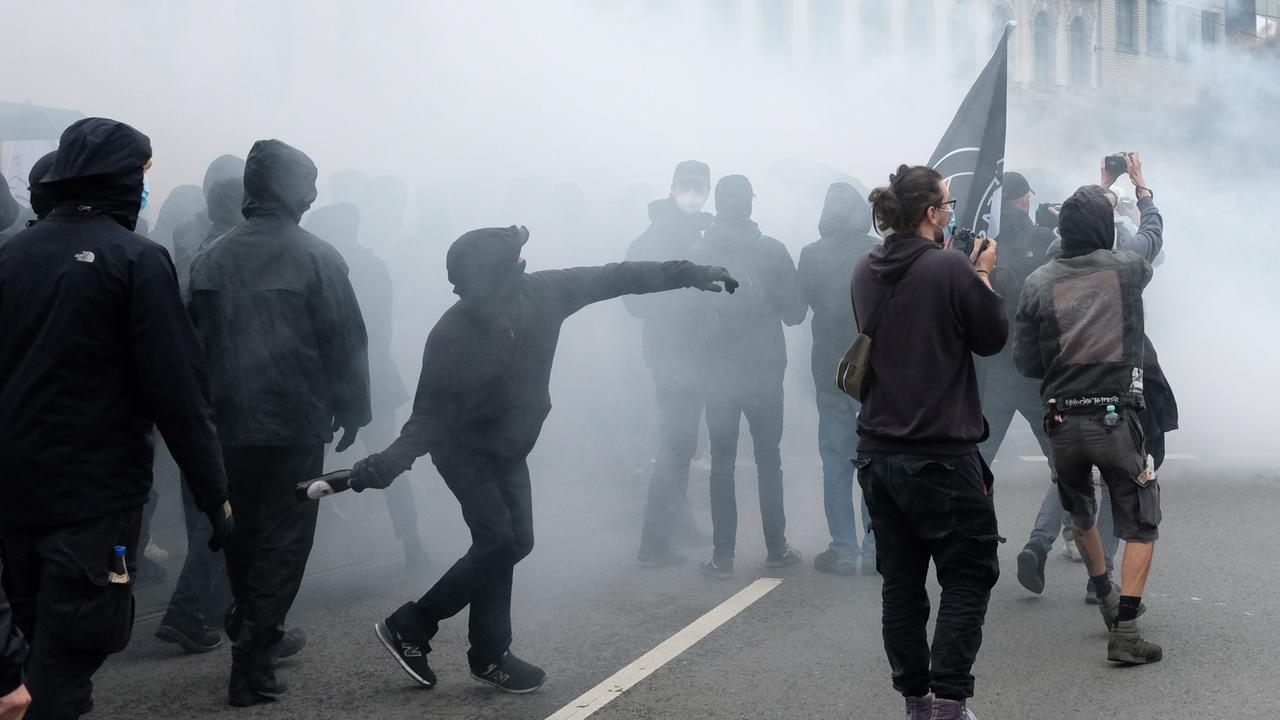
{"type": "Point", "coordinates": [381, 632]}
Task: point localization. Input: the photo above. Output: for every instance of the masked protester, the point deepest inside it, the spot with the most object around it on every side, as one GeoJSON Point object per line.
{"type": "Point", "coordinates": [286, 343]}
{"type": "Point", "coordinates": [223, 191]}
{"type": "Point", "coordinates": [743, 374]}
{"type": "Point", "coordinates": [825, 269]}
{"type": "Point", "coordinates": [95, 348]}
{"type": "Point", "coordinates": [340, 224]}
{"type": "Point", "coordinates": [670, 346]}
{"type": "Point", "coordinates": [928, 310]}
{"type": "Point", "coordinates": [1080, 331]}
{"type": "Point", "coordinates": [482, 398]}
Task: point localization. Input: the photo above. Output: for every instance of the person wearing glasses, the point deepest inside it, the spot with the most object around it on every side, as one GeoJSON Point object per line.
{"type": "Point", "coordinates": [928, 310]}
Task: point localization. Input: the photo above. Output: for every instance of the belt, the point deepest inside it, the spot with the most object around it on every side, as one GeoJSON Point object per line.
{"type": "Point", "coordinates": [1087, 403]}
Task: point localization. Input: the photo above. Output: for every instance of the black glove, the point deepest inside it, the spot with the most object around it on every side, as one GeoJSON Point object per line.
{"type": "Point", "coordinates": [709, 275]}
{"type": "Point", "coordinates": [224, 526]}
{"type": "Point", "coordinates": [348, 434]}
{"type": "Point", "coordinates": [366, 474]}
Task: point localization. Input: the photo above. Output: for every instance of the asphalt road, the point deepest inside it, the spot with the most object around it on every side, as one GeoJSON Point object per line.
{"type": "Point", "coordinates": [808, 649]}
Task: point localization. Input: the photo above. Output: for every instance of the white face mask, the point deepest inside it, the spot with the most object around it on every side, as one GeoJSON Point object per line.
{"type": "Point", "coordinates": [691, 201]}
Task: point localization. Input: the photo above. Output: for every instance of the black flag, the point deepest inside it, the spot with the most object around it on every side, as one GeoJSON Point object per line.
{"type": "Point", "coordinates": [971, 153]}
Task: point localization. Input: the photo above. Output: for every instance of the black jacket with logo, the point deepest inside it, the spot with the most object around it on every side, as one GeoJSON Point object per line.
{"type": "Point", "coordinates": [277, 317]}
{"type": "Point", "coordinates": [95, 347]}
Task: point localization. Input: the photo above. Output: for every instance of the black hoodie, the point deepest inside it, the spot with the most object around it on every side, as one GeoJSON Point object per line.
{"type": "Point", "coordinates": [277, 316]}
{"type": "Point", "coordinates": [825, 271]}
{"type": "Point", "coordinates": [95, 347]}
{"type": "Point", "coordinates": [923, 396]}
{"type": "Point", "coordinates": [223, 191]}
{"type": "Point", "coordinates": [1079, 326]}
{"type": "Point", "coordinates": [669, 339]}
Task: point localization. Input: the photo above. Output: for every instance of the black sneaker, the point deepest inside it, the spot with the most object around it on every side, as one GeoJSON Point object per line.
{"type": "Point", "coordinates": [660, 558]}
{"type": "Point", "coordinates": [511, 674]}
{"type": "Point", "coordinates": [1031, 568]}
{"type": "Point", "coordinates": [717, 568]}
{"type": "Point", "coordinates": [291, 644]}
{"type": "Point", "coordinates": [411, 655]}
{"type": "Point", "coordinates": [828, 561]}
{"type": "Point", "coordinates": [192, 637]}
{"type": "Point", "coordinates": [788, 556]}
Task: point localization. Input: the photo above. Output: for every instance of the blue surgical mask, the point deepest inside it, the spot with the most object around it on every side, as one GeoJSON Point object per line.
{"type": "Point", "coordinates": [146, 190]}
{"type": "Point", "coordinates": [950, 229]}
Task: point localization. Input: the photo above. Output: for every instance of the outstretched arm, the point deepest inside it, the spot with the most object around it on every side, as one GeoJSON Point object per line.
{"type": "Point", "coordinates": [575, 288]}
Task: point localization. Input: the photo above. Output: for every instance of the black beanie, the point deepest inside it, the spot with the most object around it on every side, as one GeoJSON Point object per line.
{"type": "Point", "coordinates": [733, 198]}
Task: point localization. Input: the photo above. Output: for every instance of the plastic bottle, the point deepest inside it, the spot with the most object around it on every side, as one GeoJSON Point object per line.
{"type": "Point", "coordinates": [119, 570]}
{"type": "Point", "coordinates": [1112, 418]}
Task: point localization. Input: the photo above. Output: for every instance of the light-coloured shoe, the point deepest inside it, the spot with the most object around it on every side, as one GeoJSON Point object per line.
{"type": "Point", "coordinates": [919, 708]}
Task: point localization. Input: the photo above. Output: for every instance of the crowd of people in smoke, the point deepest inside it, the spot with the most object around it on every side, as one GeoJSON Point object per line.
{"type": "Point", "coordinates": [263, 336]}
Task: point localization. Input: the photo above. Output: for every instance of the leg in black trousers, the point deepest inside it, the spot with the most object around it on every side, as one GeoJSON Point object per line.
{"type": "Point", "coordinates": [267, 556]}
{"type": "Point", "coordinates": [497, 504]}
{"type": "Point", "coordinates": [666, 512]}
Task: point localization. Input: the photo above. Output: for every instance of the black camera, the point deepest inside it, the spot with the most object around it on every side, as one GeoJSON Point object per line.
{"type": "Point", "coordinates": [1047, 215]}
{"type": "Point", "coordinates": [1116, 164]}
{"type": "Point", "coordinates": [963, 240]}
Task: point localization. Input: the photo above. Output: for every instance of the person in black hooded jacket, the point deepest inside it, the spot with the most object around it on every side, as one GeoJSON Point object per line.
{"type": "Point", "coordinates": [287, 350]}
{"type": "Point", "coordinates": [1080, 331]}
{"type": "Point", "coordinates": [340, 224]}
{"type": "Point", "coordinates": [669, 342]}
{"type": "Point", "coordinates": [824, 272]}
{"type": "Point", "coordinates": [743, 376]}
{"type": "Point", "coordinates": [223, 191]}
{"type": "Point", "coordinates": [482, 398]}
{"type": "Point", "coordinates": [95, 350]}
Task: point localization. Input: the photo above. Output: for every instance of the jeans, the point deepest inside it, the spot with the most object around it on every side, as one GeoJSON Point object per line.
{"type": "Point", "coordinates": [203, 591]}
{"type": "Point", "coordinates": [56, 580]}
{"type": "Point", "coordinates": [268, 552]}
{"type": "Point", "coordinates": [762, 406]}
{"type": "Point", "coordinates": [497, 505]}
{"type": "Point", "coordinates": [837, 444]}
{"type": "Point", "coordinates": [935, 508]}
{"type": "Point", "coordinates": [667, 512]}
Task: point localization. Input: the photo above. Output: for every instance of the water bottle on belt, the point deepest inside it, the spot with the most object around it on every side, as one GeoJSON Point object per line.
{"type": "Point", "coordinates": [1112, 418]}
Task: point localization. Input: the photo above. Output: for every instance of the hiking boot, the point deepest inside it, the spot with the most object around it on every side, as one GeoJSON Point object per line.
{"type": "Point", "coordinates": [829, 561]}
{"type": "Point", "coordinates": [951, 710]}
{"type": "Point", "coordinates": [290, 644]}
{"type": "Point", "coordinates": [1031, 568]}
{"type": "Point", "coordinates": [660, 558]}
{"type": "Point", "coordinates": [511, 674]}
{"type": "Point", "coordinates": [1127, 646]}
{"type": "Point", "coordinates": [411, 655]}
{"type": "Point", "coordinates": [193, 637]}
{"type": "Point", "coordinates": [1110, 607]}
{"type": "Point", "coordinates": [717, 568]}
{"type": "Point", "coordinates": [920, 708]}
{"type": "Point", "coordinates": [788, 556]}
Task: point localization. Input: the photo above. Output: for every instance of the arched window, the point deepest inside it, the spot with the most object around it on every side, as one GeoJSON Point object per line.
{"type": "Point", "coordinates": [963, 34]}
{"type": "Point", "coordinates": [1046, 48]}
{"type": "Point", "coordinates": [875, 27]}
{"type": "Point", "coordinates": [1080, 60]}
{"type": "Point", "coordinates": [1000, 16]}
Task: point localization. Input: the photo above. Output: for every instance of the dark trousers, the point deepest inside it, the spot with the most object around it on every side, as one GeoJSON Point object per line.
{"type": "Point", "coordinates": [932, 508]}
{"type": "Point", "coordinates": [57, 582]}
{"type": "Point", "coordinates": [497, 505]}
{"type": "Point", "coordinates": [667, 512]}
{"type": "Point", "coordinates": [762, 406]}
{"type": "Point", "coordinates": [269, 549]}
{"type": "Point", "coordinates": [203, 592]}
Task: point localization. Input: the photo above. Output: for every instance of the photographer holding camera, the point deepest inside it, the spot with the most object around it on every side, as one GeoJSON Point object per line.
{"type": "Point", "coordinates": [925, 484]}
{"type": "Point", "coordinates": [1080, 329]}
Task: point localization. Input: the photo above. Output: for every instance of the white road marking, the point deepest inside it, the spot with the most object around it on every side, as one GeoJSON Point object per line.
{"type": "Point", "coordinates": [626, 678]}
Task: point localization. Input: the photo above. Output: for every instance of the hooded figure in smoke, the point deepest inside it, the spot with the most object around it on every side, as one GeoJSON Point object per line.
{"type": "Point", "coordinates": [286, 344]}
{"type": "Point", "coordinates": [223, 190]}
{"type": "Point", "coordinates": [95, 351]}
{"type": "Point", "coordinates": [182, 204]}
{"type": "Point", "coordinates": [1079, 330]}
{"type": "Point", "coordinates": [824, 272]}
{"type": "Point", "coordinates": [744, 373]}
{"type": "Point", "coordinates": [339, 224]}
{"type": "Point", "coordinates": [41, 205]}
{"type": "Point", "coordinates": [670, 344]}
{"type": "Point", "coordinates": [481, 402]}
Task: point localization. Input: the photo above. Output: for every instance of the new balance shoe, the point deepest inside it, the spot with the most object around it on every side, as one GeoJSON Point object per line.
{"type": "Point", "coordinates": [829, 561]}
{"type": "Point", "coordinates": [511, 674]}
{"type": "Point", "coordinates": [717, 568]}
{"type": "Point", "coordinates": [411, 654]}
{"type": "Point", "coordinates": [788, 556]}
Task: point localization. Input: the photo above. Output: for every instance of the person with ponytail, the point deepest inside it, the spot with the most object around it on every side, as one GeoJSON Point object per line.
{"type": "Point", "coordinates": [928, 310]}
